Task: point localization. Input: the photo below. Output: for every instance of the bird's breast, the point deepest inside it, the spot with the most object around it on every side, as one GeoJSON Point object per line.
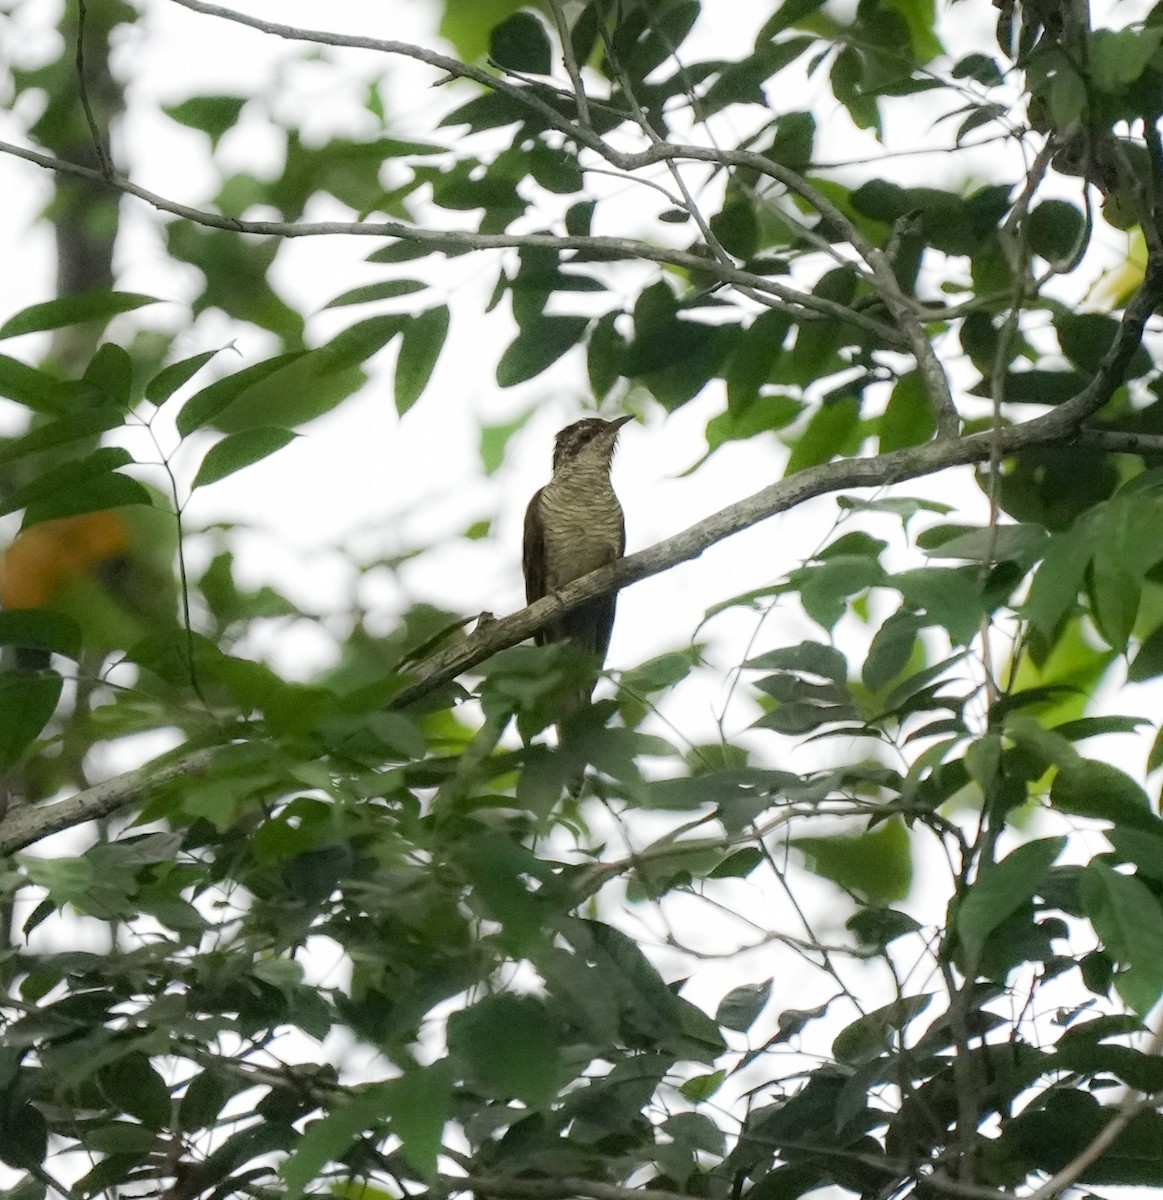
{"type": "Point", "coordinates": [582, 530]}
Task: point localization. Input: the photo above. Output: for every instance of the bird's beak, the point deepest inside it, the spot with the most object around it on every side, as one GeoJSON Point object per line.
{"type": "Point", "coordinates": [618, 422]}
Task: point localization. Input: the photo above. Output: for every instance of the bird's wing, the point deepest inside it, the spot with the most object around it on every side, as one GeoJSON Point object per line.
{"type": "Point", "coordinates": [533, 558]}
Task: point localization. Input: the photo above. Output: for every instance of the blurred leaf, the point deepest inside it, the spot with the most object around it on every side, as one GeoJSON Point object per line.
{"type": "Point", "coordinates": [876, 1032]}
{"type": "Point", "coordinates": [1085, 788]}
{"type": "Point", "coordinates": [827, 434]}
{"type": "Point", "coordinates": [60, 432]}
{"type": "Point", "coordinates": [73, 310]}
{"type": "Point", "coordinates": [877, 864]}
{"type": "Point", "coordinates": [420, 347]}
{"type": "Point", "coordinates": [27, 703]}
{"type": "Point", "coordinates": [41, 629]}
{"type": "Point", "coordinates": [238, 450]}
{"type": "Point", "coordinates": [212, 115]}
{"type": "Point", "coordinates": [386, 290]}
{"type": "Point", "coordinates": [495, 438]}
{"type": "Point", "coordinates": [1001, 888]}
{"type": "Point", "coordinates": [538, 346]}
{"type": "Point", "coordinates": [1127, 916]}
{"type": "Point", "coordinates": [908, 419]}
{"type": "Point", "coordinates": [520, 43]}
{"type": "Point", "coordinates": [740, 1007]}
{"type": "Point", "coordinates": [466, 23]}
{"type": "Point", "coordinates": [508, 1045]}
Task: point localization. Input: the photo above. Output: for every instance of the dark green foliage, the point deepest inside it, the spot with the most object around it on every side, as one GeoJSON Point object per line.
{"type": "Point", "coordinates": [522, 954]}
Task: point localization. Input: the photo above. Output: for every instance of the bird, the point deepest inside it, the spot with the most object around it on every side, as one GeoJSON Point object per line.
{"type": "Point", "coordinates": [574, 525]}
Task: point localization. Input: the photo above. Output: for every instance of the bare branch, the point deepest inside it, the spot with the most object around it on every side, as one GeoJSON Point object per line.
{"type": "Point", "coordinates": [444, 62]}
{"type": "Point", "coordinates": [103, 157]}
{"type": "Point", "coordinates": [24, 826]}
{"type": "Point", "coordinates": [571, 63]}
{"type": "Point", "coordinates": [799, 303]}
{"type": "Point", "coordinates": [912, 331]}
{"type": "Point", "coordinates": [1121, 443]}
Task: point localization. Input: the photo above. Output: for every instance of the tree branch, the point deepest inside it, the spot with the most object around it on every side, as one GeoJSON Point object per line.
{"type": "Point", "coordinates": [799, 303]}
{"type": "Point", "coordinates": [911, 329]}
{"type": "Point", "coordinates": [24, 826]}
{"type": "Point", "coordinates": [875, 471]}
{"type": "Point", "coordinates": [28, 825]}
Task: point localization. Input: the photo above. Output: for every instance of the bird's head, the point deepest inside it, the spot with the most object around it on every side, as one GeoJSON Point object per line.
{"type": "Point", "coordinates": [590, 441]}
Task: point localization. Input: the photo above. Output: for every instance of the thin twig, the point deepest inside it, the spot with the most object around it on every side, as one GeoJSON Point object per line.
{"type": "Point", "coordinates": [571, 65]}
{"type": "Point", "coordinates": [99, 149]}
{"type": "Point", "coordinates": [798, 303]}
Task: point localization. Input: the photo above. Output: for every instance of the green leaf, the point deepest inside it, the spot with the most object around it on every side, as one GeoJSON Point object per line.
{"type": "Point", "coordinates": [1148, 662]}
{"type": "Point", "coordinates": [211, 401]}
{"type": "Point", "coordinates": [466, 23]}
{"type": "Point", "coordinates": [1056, 230]}
{"type": "Point", "coordinates": [1067, 96]}
{"type": "Point", "coordinates": [331, 1138]}
{"type": "Point", "coordinates": [949, 596]}
{"type": "Point", "coordinates": [93, 494]}
{"type": "Point", "coordinates": [238, 450]}
{"type": "Point", "coordinates": [753, 358]}
{"type": "Point", "coordinates": [815, 658]}
{"type": "Point", "coordinates": [1127, 916]}
{"type": "Point", "coordinates": [68, 476]}
{"type": "Point", "coordinates": [423, 339]}
{"type": "Point", "coordinates": [355, 345]}
{"type": "Point", "coordinates": [890, 650]}
{"type": "Point", "coordinates": [537, 347]}
{"type": "Point", "coordinates": [1143, 850]}
{"type": "Point", "coordinates": [872, 1035]}
{"type": "Point", "coordinates": [521, 44]}
{"type": "Point", "coordinates": [740, 1007]}
{"type": "Point", "coordinates": [419, 1104]}
{"type": "Point", "coordinates": [605, 351]}
{"type": "Point", "coordinates": [702, 1087]}
{"type": "Point", "coordinates": [98, 305]}
{"type": "Point", "coordinates": [827, 434]}
{"type": "Point", "coordinates": [787, 16]}
{"type": "Point", "coordinates": [1086, 337]}
{"type": "Point", "coordinates": [494, 439]}
{"type": "Point", "coordinates": [110, 370]}
{"type": "Point", "coordinates": [508, 1045]}
{"type": "Point", "coordinates": [1055, 587]}
{"type": "Point", "coordinates": [167, 381]}
{"type": "Point", "coordinates": [82, 425]}
{"type": "Point", "coordinates": [41, 629]}
{"type": "Point", "coordinates": [876, 864]}
{"type": "Point", "coordinates": [212, 115]}
{"type": "Point", "coordinates": [1002, 888]}
{"type": "Point", "coordinates": [25, 1141]}
{"type": "Point", "coordinates": [133, 1084]}
{"type": "Point", "coordinates": [386, 290]}
{"type": "Point", "coordinates": [908, 418]}
{"type": "Point", "coordinates": [1085, 788]}
{"type": "Point", "coordinates": [27, 703]}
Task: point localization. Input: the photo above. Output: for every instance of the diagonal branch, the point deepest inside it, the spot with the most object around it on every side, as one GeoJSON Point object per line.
{"type": "Point", "coordinates": [26, 826]}
{"type": "Point", "coordinates": [876, 471]}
